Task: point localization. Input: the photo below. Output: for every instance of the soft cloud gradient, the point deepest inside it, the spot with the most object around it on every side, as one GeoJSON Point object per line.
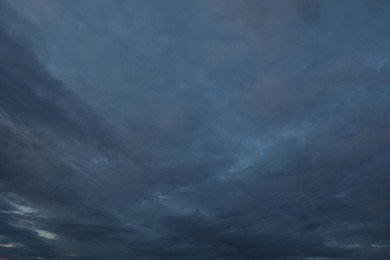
{"type": "Point", "coordinates": [209, 129]}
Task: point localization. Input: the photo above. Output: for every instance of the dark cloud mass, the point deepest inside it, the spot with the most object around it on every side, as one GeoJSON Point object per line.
{"type": "Point", "coordinates": [210, 129]}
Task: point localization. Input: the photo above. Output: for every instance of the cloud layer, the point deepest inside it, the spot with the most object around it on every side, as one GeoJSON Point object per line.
{"type": "Point", "coordinates": [194, 129]}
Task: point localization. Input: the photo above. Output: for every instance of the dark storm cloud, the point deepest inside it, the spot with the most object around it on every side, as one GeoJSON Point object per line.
{"type": "Point", "coordinates": [194, 130]}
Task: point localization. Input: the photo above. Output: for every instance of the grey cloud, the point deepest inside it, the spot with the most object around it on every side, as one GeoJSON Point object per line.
{"type": "Point", "coordinates": [194, 130]}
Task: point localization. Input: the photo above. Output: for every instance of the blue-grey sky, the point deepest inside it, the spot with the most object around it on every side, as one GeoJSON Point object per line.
{"type": "Point", "coordinates": [208, 129]}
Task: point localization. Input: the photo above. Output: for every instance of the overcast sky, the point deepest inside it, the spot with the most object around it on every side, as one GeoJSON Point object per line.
{"type": "Point", "coordinates": [194, 130]}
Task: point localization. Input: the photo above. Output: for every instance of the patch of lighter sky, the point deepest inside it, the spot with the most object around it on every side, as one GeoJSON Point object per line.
{"type": "Point", "coordinates": [45, 234]}
{"type": "Point", "coordinates": [10, 245]}
{"type": "Point", "coordinates": [261, 147]}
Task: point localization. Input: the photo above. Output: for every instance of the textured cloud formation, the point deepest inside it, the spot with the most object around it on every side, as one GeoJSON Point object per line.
{"type": "Point", "coordinates": [210, 129]}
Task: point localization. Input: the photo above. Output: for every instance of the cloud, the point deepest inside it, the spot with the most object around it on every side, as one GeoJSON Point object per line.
{"type": "Point", "coordinates": [199, 130]}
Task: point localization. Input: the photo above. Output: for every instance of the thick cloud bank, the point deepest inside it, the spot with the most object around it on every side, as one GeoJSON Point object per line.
{"type": "Point", "coordinates": [210, 129]}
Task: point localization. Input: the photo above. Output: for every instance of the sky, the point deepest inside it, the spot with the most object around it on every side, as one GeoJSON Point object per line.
{"type": "Point", "coordinates": [208, 129]}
